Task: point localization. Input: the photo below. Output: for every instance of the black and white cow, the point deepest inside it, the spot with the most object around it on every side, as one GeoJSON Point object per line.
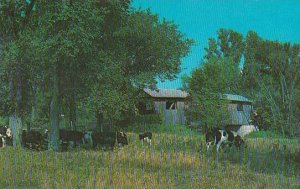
{"type": "Point", "coordinates": [147, 137]}
{"type": "Point", "coordinates": [35, 140]}
{"type": "Point", "coordinates": [108, 139]}
{"type": "Point", "coordinates": [219, 136]}
{"type": "Point", "coordinates": [5, 136]}
{"type": "Point", "coordinates": [67, 137]}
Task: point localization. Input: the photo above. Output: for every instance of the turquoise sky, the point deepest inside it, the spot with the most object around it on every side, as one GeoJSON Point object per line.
{"type": "Point", "coordinates": [200, 20]}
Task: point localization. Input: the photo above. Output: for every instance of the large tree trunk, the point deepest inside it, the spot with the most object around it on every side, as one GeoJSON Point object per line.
{"type": "Point", "coordinates": [15, 123]}
{"type": "Point", "coordinates": [33, 108]}
{"type": "Point", "coordinates": [53, 144]}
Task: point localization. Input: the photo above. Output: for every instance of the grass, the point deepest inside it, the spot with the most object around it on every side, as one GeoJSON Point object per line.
{"type": "Point", "coordinates": [265, 134]}
{"type": "Point", "coordinates": [177, 159]}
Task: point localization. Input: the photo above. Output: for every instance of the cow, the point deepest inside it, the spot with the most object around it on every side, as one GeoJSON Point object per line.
{"type": "Point", "coordinates": [147, 137]}
{"type": "Point", "coordinates": [219, 136]}
{"type": "Point", "coordinates": [5, 136]}
{"type": "Point", "coordinates": [35, 140]}
{"type": "Point", "coordinates": [108, 139]}
{"type": "Point", "coordinates": [87, 138]}
{"type": "Point", "coordinates": [67, 136]}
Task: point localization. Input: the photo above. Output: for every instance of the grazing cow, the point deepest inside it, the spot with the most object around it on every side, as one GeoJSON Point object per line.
{"type": "Point", "coordinates": [67, 136]}
{"type": "Point", "coordinates": [108, 139]}
{"type": "Point", "coordinates": [218, 137]}
{"type": "Point", "coordinates": [147, 137]}
{"type": "Point", "coordinates": [35, 140]}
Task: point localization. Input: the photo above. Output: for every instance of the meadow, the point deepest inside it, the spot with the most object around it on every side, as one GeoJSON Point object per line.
{"type": "Point", "coordinates": [177, 159]}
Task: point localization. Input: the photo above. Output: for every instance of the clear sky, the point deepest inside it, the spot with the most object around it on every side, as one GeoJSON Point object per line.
{"type": "Point", "coordinates": [200, 20]}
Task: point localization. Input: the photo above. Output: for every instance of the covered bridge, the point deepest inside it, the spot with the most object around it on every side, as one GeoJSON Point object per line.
{"type": "Point", "coordinates": [170, 103]}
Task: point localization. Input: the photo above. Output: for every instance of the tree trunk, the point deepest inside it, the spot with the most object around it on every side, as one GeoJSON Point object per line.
{"type": "Point", "coordinates": [72, 113]}
{"type": "Point", "coordinates": [33, 107]}
{"type": "Point", "coordinates": [54, 115]}
{"type": "Point", "coordinates": [15, 123]}
{"type": "Point", "coordinates": [100, 121]}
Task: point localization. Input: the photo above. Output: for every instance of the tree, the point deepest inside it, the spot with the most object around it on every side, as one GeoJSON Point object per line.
{"type": "Point", "coordinates": [15, 68]}
{"type": "Point", "coordinates": [206, 86]}
{"type": "Point", "coordinates": [229, 45]}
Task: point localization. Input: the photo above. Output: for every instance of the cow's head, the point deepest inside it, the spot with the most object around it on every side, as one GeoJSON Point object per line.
{"type": "Point", "coordinates": [122, 138]}
{"type": "Point", "coordinates": [46, 131]}
{"type": "Point", "coordinates": [8, 132]}
{"type": "Point", "coordinates": [87, 137]}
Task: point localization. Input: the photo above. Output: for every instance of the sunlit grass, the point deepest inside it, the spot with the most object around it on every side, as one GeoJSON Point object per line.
{"type": "Point", "coordinates": [173, 161]}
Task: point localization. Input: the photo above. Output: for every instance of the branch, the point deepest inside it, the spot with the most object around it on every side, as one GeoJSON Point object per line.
{"type": "Point", "coordinates": [28, 10]}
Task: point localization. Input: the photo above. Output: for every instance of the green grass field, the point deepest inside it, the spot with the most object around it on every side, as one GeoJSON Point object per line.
{"type": "Point", "coordinates": [177, 159]}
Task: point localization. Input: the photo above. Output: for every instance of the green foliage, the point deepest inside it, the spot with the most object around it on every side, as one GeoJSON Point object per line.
{"type": "Point", "coordinates": [3, 121]}
{"type": "Point", "coordinates": [228, 45]}
{"type": "Point", "coordinates": [151, 47]}
{"type": "Point", "coordinates": [149, 119]}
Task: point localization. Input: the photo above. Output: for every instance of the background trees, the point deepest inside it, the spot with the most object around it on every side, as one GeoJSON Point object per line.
{"type": "Point", "coordinates": [266, 71]}
{"type": "Point", "coordinates": [273, 69]}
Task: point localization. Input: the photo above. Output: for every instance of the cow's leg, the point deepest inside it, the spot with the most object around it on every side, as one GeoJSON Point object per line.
{"type": "Point", "coordinates": [220, 142]}
{"type": "Point", "coordinates": [147, 140]}
{"type": "Point", "coordinates": [218, 145]}
{"type": "Point", "coordinates": [112, 147]}
{"type": "Point", "coordinates": [3, 142]}
{"type": "Point", "coordinates": [83, 142]}
{"type": "Point", "coordinates": [208, 144]}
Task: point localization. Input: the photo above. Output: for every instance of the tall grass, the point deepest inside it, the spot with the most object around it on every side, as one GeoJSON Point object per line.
{"type": "Point", "coordinates": [177, 159]}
